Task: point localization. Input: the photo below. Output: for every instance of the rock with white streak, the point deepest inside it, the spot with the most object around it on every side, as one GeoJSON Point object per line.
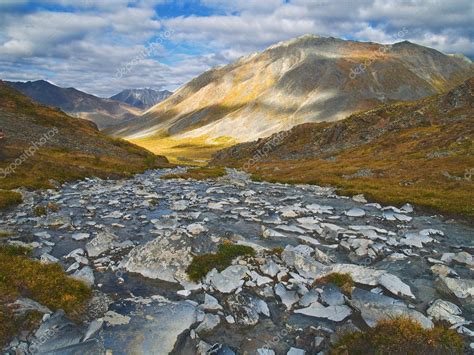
{"type": "Point", "coordinates": [103, 242]}
{"type": "Point", "coordinates": [270, 268]}
{"type": "Point", "coordinates": [461, 288]}
{"type": "Point", "coordinates": [80, 236]}
{"type": "Point", "coordinates": [396, 286]}
{"type": "Point", "coordinates": [355, 212]}
{"type": "Point", "coordinates": [333, 313]}
{"type": "Point", "coordinates": [444, 310]}
{"type": "Point", "coordinates": [288, 298]}
{"type": "Point", "coordinates": [229, 279]}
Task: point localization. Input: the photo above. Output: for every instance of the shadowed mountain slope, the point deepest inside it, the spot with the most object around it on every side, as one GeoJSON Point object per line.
{"type": "Point", "coordinates": [103, 112]}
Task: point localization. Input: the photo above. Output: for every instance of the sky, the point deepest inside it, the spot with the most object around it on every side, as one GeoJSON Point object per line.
{"type": "Point", "coordinates": [105, 46]}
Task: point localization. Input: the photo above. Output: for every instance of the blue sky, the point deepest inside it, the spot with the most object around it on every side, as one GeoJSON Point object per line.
{"type": "Point", "coordinates": [105, 46]}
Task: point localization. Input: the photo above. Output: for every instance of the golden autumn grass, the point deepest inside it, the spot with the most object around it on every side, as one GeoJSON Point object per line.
{"type": "Point", "coordinates": [184, 151]}
{"type": "Point", "coordinates": [400, 336]}
{"type": "Point", "coordinates": [79, 149]}
{"type": "Point", "coordinates": [47, 284]}
{"type": "Point", "coordinates": [401, 171]}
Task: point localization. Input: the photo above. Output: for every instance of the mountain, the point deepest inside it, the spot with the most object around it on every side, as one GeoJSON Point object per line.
{"type": "Point", "coordinates": [103, 112]}
{"type": "Point", "coordinates": [141, 98]}
{"type": "Point", "coordinates": [42, 144]}
{"type": "Point", "coordinates": [421, 152]}
{"type": "Point", "coordinates": [308, 79]}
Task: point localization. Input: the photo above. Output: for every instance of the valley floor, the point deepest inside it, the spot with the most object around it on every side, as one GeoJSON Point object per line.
{"type": "Point", "coordinates": [132, 241]}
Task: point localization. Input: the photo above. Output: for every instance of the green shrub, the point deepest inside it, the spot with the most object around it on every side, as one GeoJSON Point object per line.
{"type": "Point", "coordinates": [202, 264]}
{"type": "Point", "coordinates": [342, 280]}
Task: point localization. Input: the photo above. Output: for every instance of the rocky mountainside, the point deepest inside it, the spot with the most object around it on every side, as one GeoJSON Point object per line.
{"type": "Point", "coordinates": [142, 99]}
{"type": "Point", "coordinates": [417, 149]}
{"type": "Point", "coordinates": [103, 112]}
{"type": "Point", "coordinates": [309, 79]}
{"type": "Point", "coordinates": [43, 144]}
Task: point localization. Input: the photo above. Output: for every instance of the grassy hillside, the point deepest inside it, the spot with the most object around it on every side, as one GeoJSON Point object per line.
{"type": "Point", "coordinates": [44, 145]}
{"type": "Point", "coordinates": [420, 152]}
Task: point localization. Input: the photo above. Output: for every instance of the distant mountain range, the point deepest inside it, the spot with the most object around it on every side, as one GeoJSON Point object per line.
{"type": "Point", "coordinates": [142, 98]}
{"type": "Point", "coordinates": [103, 112]}
{"type": "Point", "coordinates": [308, 79]}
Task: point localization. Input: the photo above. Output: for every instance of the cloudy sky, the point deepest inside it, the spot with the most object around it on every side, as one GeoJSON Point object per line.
{"type": "Point", "coordinates": [104, 46]}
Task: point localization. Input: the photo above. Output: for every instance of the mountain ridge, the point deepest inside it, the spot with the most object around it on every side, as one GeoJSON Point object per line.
{"type": "Point", "coordinates": [302, 80]}
{"type": "Point", "coordinates": [143, 98]}
{"type": "Point", "coordinates": [415, 151]}
{"type": "Point", "coordinates": [103, 112]}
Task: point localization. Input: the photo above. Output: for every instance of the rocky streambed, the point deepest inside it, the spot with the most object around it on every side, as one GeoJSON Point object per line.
{"type": "Point", "coordinates": [132, 240]}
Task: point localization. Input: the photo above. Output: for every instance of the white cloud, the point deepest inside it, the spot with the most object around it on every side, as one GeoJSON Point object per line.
{"type": "Point", "coordinates": [84, 42]}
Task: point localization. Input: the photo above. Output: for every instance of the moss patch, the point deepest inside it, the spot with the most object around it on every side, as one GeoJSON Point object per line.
{"type": "Point", "coordinates": [47, 284]}
{"type": "Point", "coordinates": [400, 336]}
{"type": "Point", "coordinates": [342, 280]}
{"type": "Point", "coordinates": [202, 264]}
{"type": "Point", "coordinates": [9, 199]}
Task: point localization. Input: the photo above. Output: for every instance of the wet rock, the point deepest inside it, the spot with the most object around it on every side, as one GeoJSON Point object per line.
{"type": "Point", "coordinates": [355, 212]}
{"type": "Point", "coordinates": [288, 298]}
{"type": "Point", "coordinates": [270, 268]}
{"type": "Point", "coordinates": [55, 333]}
{"type": "Point", "coordinates": [444, 310]}
{"type": "Point", "coordinates": [80, 236]}
{"type": "Point", "coordinates": [333, 313]}
{"type": "Point", "coordinates": [210, 303]}
{"type": "Point", "coordinates": [296, 351]}
{"type": "Point", "coordinates": [265, 352]}
{"type": "Point", "coordinates": [374, 307]}
{"type": "Point", "coordinates": [331, 295]}
{"type": "Point", "coordinates": [196, 228]}
{"type": "Point", "coordinates": [393, 284]}
{"type": "Point", "coordinates": [162, 258]}
{"type": "Point", "coordinates": [220, 349]}
{"type": "Point", "coordinates": [209, 323]}
{"type": "Point", "coordinates": [114, 318]}
{"type": "Point", "coordinates": [86, 274]}
{"type": "Point", "coordinates": [153, 329]}
{"type": "Point", "coordinates": [461, 288]}
{"type": "Point", "coordinates": [24, 305]}
{"type": "Point", "coordinates": [246, 308]}
{"type": "Point", "coordinates": [310, 297]}
{"type": "Point", "coordinates": [103, 242]}
{"type": "Point", "coordinates": [229, 279]}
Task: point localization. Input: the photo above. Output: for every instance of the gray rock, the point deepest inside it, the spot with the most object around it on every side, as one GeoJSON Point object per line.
{"type": "Point", "coordinates": [162, 258]}
{"type": "Point", "coordinates": [288, 298]}
{"type": "Point", "coordinates": [374, 307]}
{"type": "Point", "coordinates": [103, 242]}
{"type": "Point", "coordinates": [209, 323]}
{"type": "Point", "coordinates": [86, 274]}
{"type": "Point", "coordinates": [333, 313]}
{"type": "Point", "coordinates": [444, 310]}
{"type": "Point", "coordinates": [461, 288]}
{"type": "Point", "coordinates": [296, 351]}
{"type": "Point", "coordinates": [229, 279]}
{"type": "Point", "coordinates": [331, 295]}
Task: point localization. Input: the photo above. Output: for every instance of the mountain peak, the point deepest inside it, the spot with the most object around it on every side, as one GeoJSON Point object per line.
{"type": "Point", "coordinates": [142, 98]}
